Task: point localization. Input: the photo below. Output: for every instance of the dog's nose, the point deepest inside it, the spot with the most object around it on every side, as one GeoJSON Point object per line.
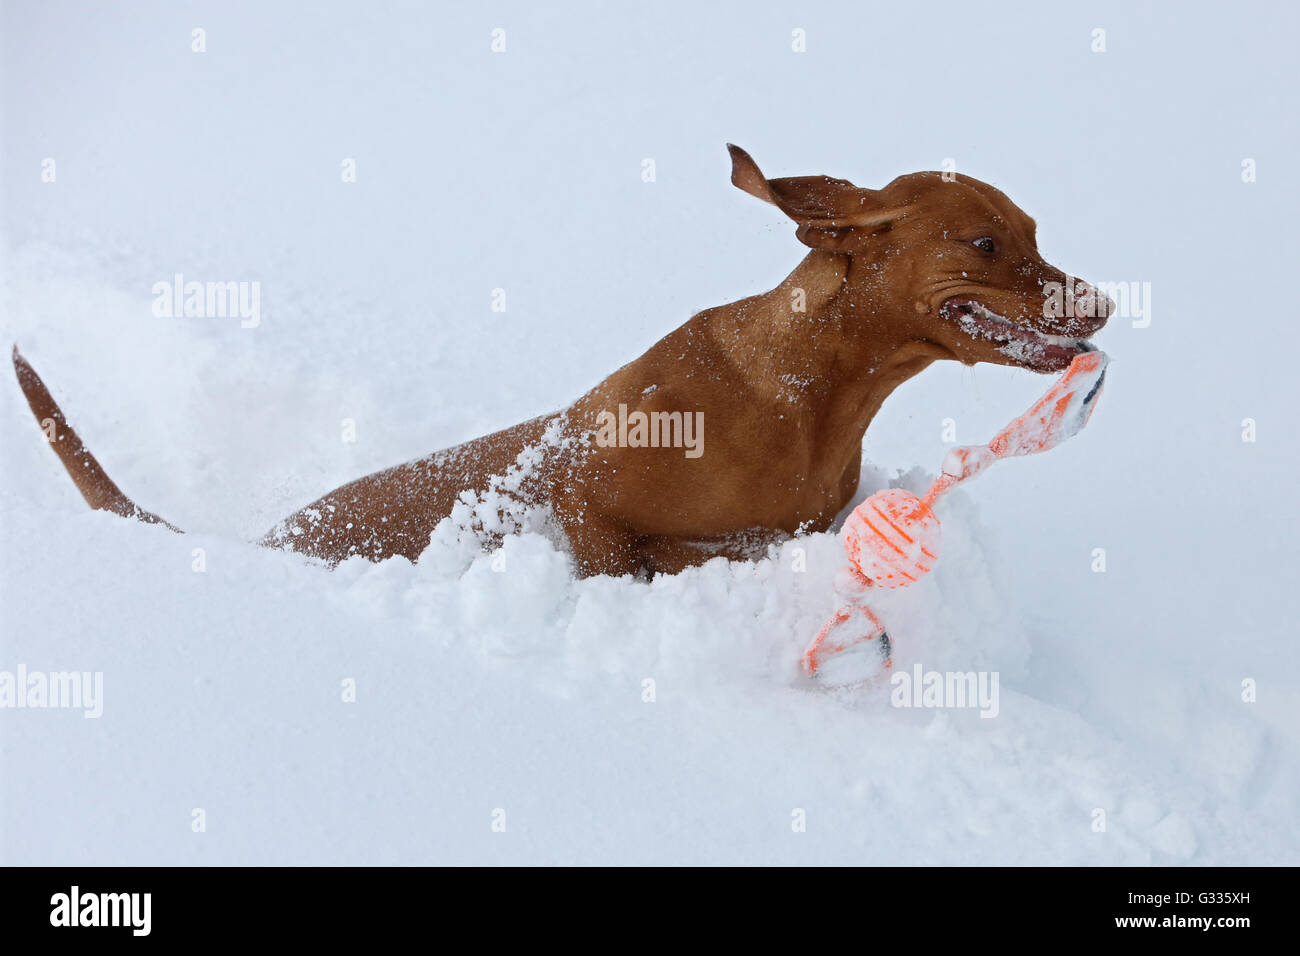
{"type": "Point", "coordinates": [1091, 305]}
{"type": "Point", "coordinates": [1103, 306]}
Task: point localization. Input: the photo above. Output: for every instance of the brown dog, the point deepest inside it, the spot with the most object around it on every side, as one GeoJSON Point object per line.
{"type": "Point", "coordinates": [786, 383]}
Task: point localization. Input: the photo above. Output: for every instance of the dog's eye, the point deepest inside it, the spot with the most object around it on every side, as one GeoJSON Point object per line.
{"type": "Point", "coordinates": [985, 244]}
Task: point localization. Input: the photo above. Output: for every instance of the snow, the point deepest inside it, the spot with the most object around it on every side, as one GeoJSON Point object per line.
{"type": "Point", "coordinates": [612, 720]}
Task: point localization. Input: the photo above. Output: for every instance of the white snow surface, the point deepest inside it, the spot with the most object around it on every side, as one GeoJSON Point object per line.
{"type": "Point", "coordinates": [516, 692]}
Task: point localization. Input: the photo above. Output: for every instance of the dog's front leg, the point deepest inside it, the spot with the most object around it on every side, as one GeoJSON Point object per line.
{"type": "Point", "coordinates": [601, 545]}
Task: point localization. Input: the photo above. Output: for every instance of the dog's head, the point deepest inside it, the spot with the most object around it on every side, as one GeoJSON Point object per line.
{"type": "Point", "coordinates": [959, 257]}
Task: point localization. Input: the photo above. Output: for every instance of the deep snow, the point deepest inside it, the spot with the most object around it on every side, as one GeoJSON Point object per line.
{"type": "Point", "coordinates": [521, 689]}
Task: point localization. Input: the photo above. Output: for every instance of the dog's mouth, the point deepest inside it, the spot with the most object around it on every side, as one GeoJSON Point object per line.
{"type": "Point", "coordinates": [1039, 351]}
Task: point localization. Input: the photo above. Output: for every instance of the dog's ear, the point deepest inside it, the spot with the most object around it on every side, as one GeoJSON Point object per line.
{"type": "Point", "coordinates": [830, 212]}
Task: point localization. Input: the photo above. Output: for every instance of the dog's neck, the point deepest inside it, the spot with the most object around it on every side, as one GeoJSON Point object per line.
{"type": "Point", "coordinates": [828, 339]}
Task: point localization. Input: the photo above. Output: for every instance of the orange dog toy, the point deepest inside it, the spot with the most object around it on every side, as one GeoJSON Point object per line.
{"type": "Point", "coordinates": [892, 538]}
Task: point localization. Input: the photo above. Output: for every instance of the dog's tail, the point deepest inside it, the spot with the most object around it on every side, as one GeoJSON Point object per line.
{"type": "Point", "coordinates": [90, 478]}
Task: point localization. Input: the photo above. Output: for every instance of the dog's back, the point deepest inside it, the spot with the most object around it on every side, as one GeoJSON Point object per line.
{"type": "Point", "coordinates": [394, 511]}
